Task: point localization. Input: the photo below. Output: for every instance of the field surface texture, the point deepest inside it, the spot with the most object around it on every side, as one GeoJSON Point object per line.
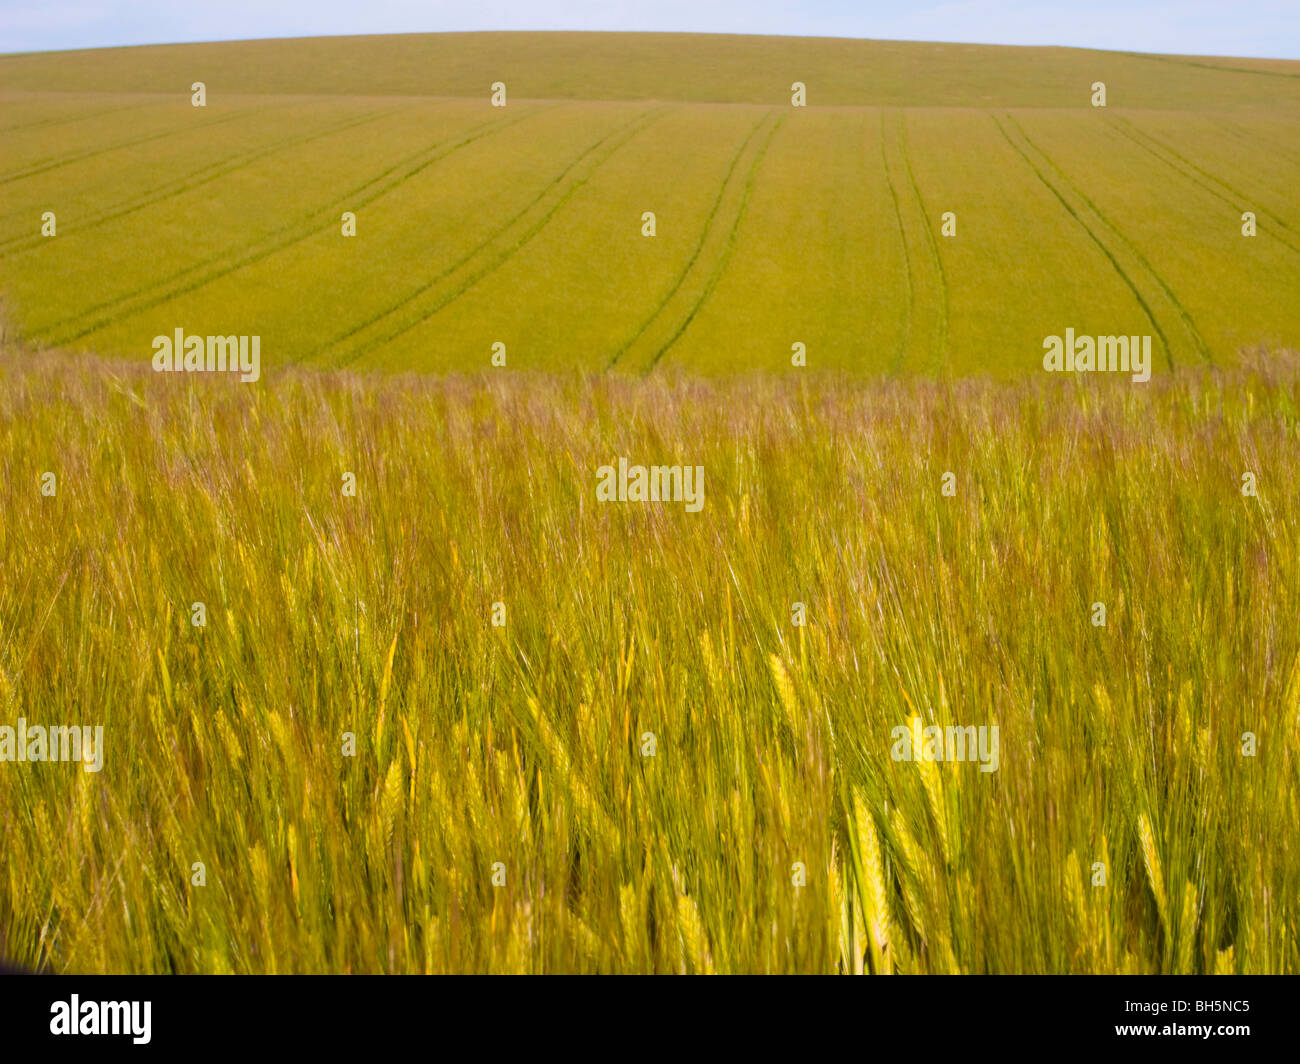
{"type": "Point", "coordinates": [773, 224]}
{"type": "Point", "coordinates": [525, 745]}
{"type": "Point", "coordinates": [386, 683]}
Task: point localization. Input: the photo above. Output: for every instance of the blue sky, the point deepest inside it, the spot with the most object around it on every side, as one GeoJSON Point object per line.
{"type": "Point", "coordinates": [1247, 28]}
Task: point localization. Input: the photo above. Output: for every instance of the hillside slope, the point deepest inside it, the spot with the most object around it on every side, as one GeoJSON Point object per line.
{"type": "Point", "coordinates": [956, 207]}
{"type": "Point", "coordinates": [702, 68]}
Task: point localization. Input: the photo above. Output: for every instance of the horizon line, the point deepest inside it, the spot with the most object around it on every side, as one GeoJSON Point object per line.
{"type": "Point", "coordinates": [648, 33]}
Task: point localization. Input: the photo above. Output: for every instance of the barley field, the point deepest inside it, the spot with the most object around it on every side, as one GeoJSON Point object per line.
{"type": "Point", "coordinates": [387, 683]}
{"type": "Point", "coordinates": [774, 225]}
{"type": "Point", "coordinates": [501, 813]}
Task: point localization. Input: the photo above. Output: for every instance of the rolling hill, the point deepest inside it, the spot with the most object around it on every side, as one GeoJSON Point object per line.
{"type": "Point", "coordinates": [774, 225]}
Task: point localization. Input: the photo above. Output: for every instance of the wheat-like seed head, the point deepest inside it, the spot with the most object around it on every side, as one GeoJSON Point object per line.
{"type": "Point", "coordinates": [871, 882]}
{"type": "Point", "coordinates": [785, 689]}
{"type": "Point", "coordinates": [1151, 858]}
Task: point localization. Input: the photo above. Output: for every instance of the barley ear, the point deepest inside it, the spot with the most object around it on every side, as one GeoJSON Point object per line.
{"type": "Point", "coordinates": [871, 882]}
{"type": "Point", "coordinates": [1155, 874]}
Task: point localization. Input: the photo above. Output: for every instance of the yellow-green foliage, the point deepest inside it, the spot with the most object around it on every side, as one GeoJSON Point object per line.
{"type": "Point", "coordinates": [775, 225]}
{"type": "Point", "coordinates": [523, 744]}
{"type": "Point", "coordinates": [721, 68]}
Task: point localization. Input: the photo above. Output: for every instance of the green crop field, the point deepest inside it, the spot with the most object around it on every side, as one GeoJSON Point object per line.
{"type": "Point", "coordinates": [524, 745]}
{"type": "Point", "coordinates": [391, 679]}
{"type": "Point", "coordinates": [774, 224]}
